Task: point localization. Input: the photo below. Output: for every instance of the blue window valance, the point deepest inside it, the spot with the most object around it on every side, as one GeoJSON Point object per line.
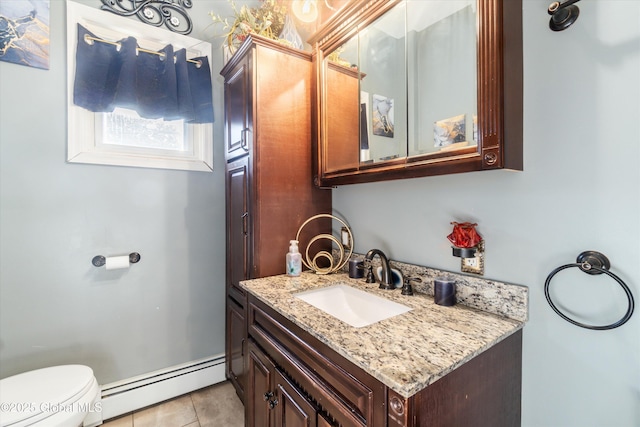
{"type": "Point", "coordinates": [163, 84]}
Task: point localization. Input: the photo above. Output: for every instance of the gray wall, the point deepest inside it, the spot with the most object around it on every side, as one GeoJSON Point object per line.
{"type": "Point", "coordinates": [580, 190]}
{"type": "Point", "coordinates": [54, 217]}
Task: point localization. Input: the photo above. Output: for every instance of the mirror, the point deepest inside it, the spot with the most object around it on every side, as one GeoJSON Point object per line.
{"type": "Point", "coordinates": [413, 88]}
{"type": "Point", "coordinates": [362, 101]}
{"type": "Point", "coordinates": [441, 37]}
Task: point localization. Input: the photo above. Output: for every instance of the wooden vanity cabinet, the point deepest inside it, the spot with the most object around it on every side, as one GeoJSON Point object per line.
{"type": "Point", "coordinates": [285, 367]}
{"type": "Point", "coordinates": [274, 399]}
{"type": "Point", "coordinates": [294, 379]}
{"type": "Point", "coordinates": [269, 184]}
{"type": "Point", "coordinates": [260, 383]}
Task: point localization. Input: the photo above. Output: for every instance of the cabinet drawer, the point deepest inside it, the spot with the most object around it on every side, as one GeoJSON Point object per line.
{"type": "Point", "coordinates": [351, 396]}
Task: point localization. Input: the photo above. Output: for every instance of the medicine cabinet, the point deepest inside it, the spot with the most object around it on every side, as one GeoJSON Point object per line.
{"type": "Point", "coordinates": [410, 88]}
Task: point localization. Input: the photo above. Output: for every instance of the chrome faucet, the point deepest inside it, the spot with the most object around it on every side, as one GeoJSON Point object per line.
{"type": "Point", "coordinates": [386, 279]}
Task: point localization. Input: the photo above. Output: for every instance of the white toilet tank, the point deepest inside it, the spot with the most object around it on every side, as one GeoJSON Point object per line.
{"type": "Point", "coordinates": [55, 396]}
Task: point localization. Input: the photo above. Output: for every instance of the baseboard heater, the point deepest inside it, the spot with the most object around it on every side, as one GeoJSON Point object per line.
{"type": "Point", "coordinates": [134, 393]}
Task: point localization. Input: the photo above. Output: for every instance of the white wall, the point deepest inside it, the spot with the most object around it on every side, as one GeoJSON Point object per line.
{"type": "Point", "coordinates": [580, 190]}
{"type": "Point", "coordinates": [55, 307]}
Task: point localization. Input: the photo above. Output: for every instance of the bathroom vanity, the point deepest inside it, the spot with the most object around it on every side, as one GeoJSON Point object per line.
{"type": "Point", "coordinates": [297, 123]}
{"type": "Point", "coordinates": [431, 366]}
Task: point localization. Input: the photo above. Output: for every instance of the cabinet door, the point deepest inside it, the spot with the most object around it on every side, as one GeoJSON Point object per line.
{"type": "Point", "coordinates": [235, 347]}
{"type": "Point", "coordinates": [237, 108]}
{"type": "Point", "coordinates": [238, 226]}
{"type": "Point", "coordinates": [323, 422]}
{"type": "Point", "coordinates": [261, 396]}
{"type": "Point", "coordinates": [292, 408]}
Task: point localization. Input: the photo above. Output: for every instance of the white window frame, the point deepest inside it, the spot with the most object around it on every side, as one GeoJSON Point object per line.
{"type": "Point", "coordinates": [82, 146]}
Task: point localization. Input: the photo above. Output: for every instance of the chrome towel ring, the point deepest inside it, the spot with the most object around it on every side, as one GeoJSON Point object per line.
{"type": "Point", "coordinates": [591, 262]}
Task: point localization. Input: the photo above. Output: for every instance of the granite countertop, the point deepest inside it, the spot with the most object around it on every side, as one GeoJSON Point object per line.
{"type": "Point", "coordinates": [406, 352]}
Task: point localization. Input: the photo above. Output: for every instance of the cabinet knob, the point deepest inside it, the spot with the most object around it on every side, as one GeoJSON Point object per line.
{"type": "Point", "coordinates": [273, 403]}
{"type": "Point", "coordinates": [268, 395]}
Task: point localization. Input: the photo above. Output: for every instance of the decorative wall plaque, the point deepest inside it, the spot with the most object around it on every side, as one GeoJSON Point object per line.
{"type": "Point", "coordinates": [170, 13]}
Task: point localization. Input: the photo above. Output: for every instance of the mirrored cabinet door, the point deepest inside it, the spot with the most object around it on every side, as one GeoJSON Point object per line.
{"type": "Point", "coordinates": [410, 88]}
{"type": "Point", "coordinates": [442, 75]}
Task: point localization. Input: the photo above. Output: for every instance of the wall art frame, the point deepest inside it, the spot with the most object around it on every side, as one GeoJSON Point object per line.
{"type": "Point", "coordinates": [24, 33]}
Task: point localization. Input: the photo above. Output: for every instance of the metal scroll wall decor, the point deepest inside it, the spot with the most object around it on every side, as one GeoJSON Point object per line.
{"type": "Point", "coordinates": [171, 13]}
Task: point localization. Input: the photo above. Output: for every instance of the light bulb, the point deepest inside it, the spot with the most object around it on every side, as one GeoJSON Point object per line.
{"type": "Point", "coordinates": [305, 10]}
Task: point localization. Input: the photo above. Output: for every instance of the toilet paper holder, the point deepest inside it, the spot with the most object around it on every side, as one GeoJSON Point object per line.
{"type": "Point", "coordinates": [100, 260]}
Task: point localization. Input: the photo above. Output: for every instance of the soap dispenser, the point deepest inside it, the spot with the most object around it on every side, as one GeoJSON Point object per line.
{"type": "Point", "coordinates": [294, 259]}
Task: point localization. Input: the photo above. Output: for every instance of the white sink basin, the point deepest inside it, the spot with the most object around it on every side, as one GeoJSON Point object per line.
{"type": "Point", "coordinates": [351, 305]}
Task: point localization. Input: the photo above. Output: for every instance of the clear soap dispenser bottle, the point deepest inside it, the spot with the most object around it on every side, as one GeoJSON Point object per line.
{"type": "Point", "coordinates": [294, 259]}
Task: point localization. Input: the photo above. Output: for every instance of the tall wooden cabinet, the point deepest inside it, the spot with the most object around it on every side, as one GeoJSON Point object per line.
{"type": "Point", "coordinates": [269, 184]}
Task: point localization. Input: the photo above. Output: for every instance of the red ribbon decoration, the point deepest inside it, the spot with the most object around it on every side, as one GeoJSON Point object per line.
{"type": "Point", "coordinates": [464, 235]}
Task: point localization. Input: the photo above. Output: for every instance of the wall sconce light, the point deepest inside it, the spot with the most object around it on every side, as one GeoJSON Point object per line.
{"type": "Point", "coordinates": [469, 246]}
{"type": "Point", "coordinates": [305, 10]}
{"type": "Point", "coordinates": [563, 14]}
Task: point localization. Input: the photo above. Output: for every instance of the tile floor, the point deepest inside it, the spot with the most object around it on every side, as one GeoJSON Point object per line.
{"type": "Point", "coordinates": [215, 406]}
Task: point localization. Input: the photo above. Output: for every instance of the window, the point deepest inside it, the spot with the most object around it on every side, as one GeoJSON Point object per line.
{"type": "Point", "coordinates": [122, 137]}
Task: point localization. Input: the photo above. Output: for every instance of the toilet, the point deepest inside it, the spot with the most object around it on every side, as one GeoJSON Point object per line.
{"type": "Point", "coordinates": [58, 396]}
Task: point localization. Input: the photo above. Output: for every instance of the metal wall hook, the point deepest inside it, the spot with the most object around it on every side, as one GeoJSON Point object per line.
{"type": "Point", "coordinates": [563, 14]}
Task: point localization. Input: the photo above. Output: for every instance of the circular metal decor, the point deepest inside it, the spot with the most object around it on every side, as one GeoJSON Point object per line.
{"type": "Point", "coordinates": [312, 263]}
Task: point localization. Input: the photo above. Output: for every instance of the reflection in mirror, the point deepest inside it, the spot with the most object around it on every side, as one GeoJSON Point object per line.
{"type": "Point", "coordinates": [436, 80]}
{"type": "Point", "coordinates": [366, 90]}
{"type": "Point", "coordinates": [383, 93]}
{"type": "Point", "coordinates": [309, 15]}
{"type": "Point", "coordinates": [342, 111]}
{"type": "Point", "coordinates": [442, 68]}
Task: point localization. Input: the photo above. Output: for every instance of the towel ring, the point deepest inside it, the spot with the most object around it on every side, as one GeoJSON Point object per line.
{"type": "Point", "coordinates": [591, 262]}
